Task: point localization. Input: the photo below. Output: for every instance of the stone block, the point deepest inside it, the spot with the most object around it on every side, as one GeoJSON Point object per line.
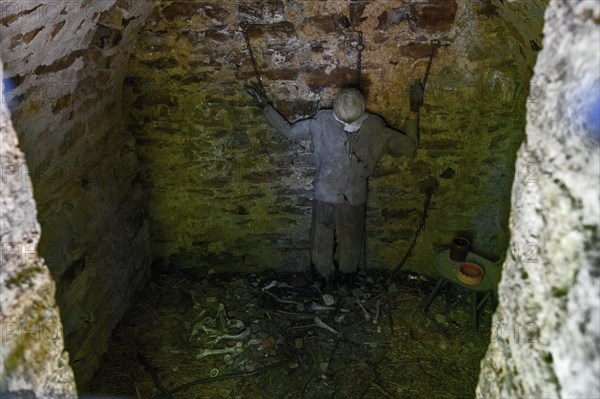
{"type": "Point", "coordinates": [280, 30]}
{"type": "Point", "coordinates": [486, 8]}
{"type": "Point", "coordinates": [331, 23]}
{"type": "Point", "coordinates": [25, 38]}
{"type": "Point", "coordinates": [319, 79]}
{"type": "Point", "coordinates": [181, 10]}
{"type": "Point", "coordinates": [392, 17]}
{"type": "Point", "coordinates": [260, 12]}
{"type": "Point", "coordinates": [295, 108]}
{"type": "Point", "coordinates": [434, 15]}
{"type": "Point", "coordinates": [216, 12]}
{"type": "Point", "coordinates": [104, 78]}
{"type": "Point", "coordinates": [57, 28]}
{"type": "Point", "coordinates": [148, 100]}
{"type": "Point", "coordinates": [400, 214]}
{"type": "Point", "coordinates": [160, 63]}
{"type": "Point", "coordinates": [416, 50]}
{"type": "Point", "coordinates": [220, 34]}
{"type": "Point", "coordinates": [60, 64]}
{"type": "Point", "coordinates": [106, 37]}
{"type": "Point", "coordinates": [63, 102]}
{"type": "Point", "coordinates": [357, 9]}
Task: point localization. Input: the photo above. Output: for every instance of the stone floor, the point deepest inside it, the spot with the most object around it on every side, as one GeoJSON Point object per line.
{"type": "Point", "coordinates": [282, 353]}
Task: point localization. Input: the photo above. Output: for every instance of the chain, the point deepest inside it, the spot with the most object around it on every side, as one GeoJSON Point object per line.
{"type": "Point", "coordinates": [435, 44]}
{"type": "Point", "coordinates": [412, 23]}
{"type": "Point", "coordinates": [359, 49]}
{"type": "Point", "coordinates": [252, 57]}
{"type": "Point", "coordinates": [420, 228]}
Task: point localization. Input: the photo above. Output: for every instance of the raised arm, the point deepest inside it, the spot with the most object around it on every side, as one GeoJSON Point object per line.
{"type": "Point", "coordinates": [297, 131]}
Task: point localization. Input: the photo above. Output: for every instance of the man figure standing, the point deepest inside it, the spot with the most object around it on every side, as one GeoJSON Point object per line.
{"type": "Point", "coordinates": [347, 143]}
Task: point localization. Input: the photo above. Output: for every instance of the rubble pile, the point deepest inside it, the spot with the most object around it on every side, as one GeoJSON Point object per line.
{"type": "Point", "coordinates": [266, 336]}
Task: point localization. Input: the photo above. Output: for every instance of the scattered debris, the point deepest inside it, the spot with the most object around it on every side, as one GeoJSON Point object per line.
{"type": "Point", "coordinates": [223, 351]}
{"type": "Point", "coordinates": [296, 341]}
{"type": "Point", "coordinates": [366, 313]}
{"type": "Point", "coordinates": [329, 300]}
{"type": "Point", "coordinates": [320, 323]}
{"type": "Point", "coordinates": [377, 306]}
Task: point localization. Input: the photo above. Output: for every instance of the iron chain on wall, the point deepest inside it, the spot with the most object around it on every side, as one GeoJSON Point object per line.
{"type": "Point", "coordinates": [359, 49]}
{"type": "Point", "coordinates": [252, 56]}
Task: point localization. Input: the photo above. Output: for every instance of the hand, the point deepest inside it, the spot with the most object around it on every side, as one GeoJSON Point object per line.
{"type": "Point", "coordinates": [416, 95]}
{"type": "Point", "coordinates": [257, 95]}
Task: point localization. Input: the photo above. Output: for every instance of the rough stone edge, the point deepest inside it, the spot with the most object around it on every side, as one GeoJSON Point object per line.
{"type": "Point", "coordinates": [559, 215]}
{"type": "Point", "coordinates": [32, 356]}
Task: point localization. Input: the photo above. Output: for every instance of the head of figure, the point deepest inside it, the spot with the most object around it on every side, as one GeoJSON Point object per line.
{"type": "Point", "coordinates": [349, 105]}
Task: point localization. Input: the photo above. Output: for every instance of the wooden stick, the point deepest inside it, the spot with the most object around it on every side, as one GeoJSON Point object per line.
{"type": "Point", "coordinates": [223, 377]}
{"type": "Point", "coordinates": [382, 391]}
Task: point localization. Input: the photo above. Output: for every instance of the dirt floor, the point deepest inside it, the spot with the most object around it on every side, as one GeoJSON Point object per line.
{"type": "Point", "coordinates": [275, 348]}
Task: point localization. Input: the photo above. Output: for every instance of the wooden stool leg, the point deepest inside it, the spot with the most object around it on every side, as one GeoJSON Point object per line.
{"type": "Point", "coordinates": [474, 310]}
{"type": "Point", "coordinates": [484, 300]}
{"type": "Point", "coordinates": [494, 301]}
{"type": "Point", "coordinates": [440, 283]}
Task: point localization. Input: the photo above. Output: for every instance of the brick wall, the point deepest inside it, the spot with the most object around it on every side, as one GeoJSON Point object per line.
{"type": "Point", "coordinates": [137, 133]}
{"type": "Point", "coordinates": [224, 191]}
{"type": "Point", "coordinates": [64, 66]}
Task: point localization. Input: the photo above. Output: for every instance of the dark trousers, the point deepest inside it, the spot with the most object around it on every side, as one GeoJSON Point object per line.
{"type": "Point", "coordinates": [338, 231]}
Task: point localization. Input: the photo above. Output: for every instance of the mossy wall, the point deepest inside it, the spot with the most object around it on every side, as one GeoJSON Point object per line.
{"type": "Point", "coordinates": [65, 63]}
{"type": "Point", "coordinates": [195, 161]}
{"type": "Point", "coordinates": [224, 191]}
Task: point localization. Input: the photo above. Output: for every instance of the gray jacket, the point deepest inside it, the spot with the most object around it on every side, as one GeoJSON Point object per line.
{"type": "Point", "coordinates": [345, 160]}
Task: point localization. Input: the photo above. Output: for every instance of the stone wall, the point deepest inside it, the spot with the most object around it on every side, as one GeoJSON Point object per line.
{"type": "Point", "coordinates": [224, 191]}
{"type": "Point", "coordinates": [32, 356]}
{"type": "Point", "coordinates": [546, 331]}
{"type": "Point", "coordinates": [64, 66]}
{"type": "Point", "coordinates": [197, 165]}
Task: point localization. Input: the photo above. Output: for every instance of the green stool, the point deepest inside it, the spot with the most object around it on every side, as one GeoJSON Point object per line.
{"type": "Point", "coordinates": [488, 287]}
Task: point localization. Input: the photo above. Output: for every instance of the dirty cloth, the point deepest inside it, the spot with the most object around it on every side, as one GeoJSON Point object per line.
{"type": "Point", "coordinates": [345, 160]}
{"type": "Point", "coordinates": [353, 126]}
{"type": "Point", "coordinates": [341, 224]}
